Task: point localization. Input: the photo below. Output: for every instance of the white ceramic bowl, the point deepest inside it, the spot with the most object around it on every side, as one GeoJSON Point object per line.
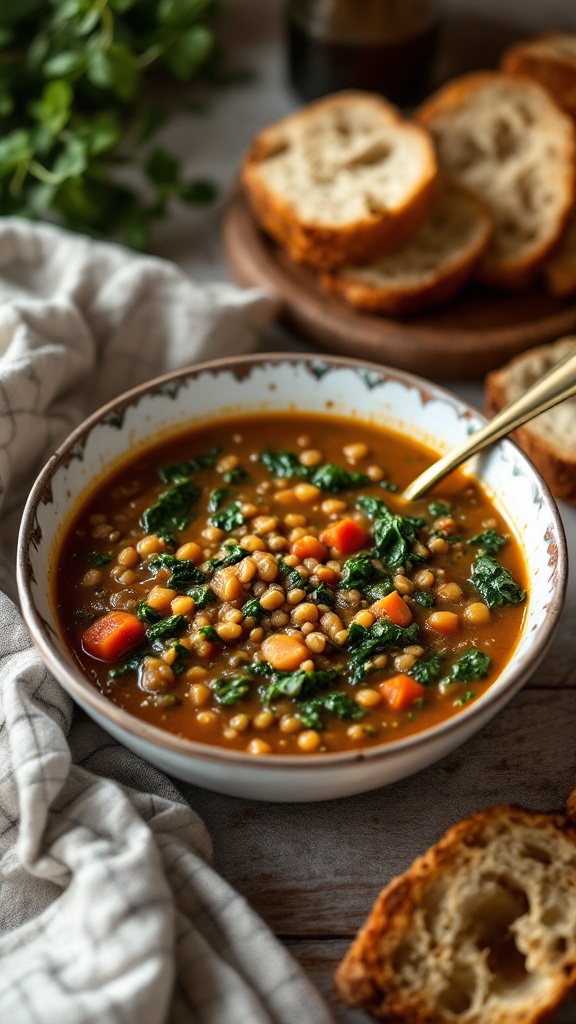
{"type": "Point", "coordinates": [225, 388]}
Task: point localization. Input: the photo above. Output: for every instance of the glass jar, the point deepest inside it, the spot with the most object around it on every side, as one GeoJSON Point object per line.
{"type": "Point", "coordinates": [385, 46]}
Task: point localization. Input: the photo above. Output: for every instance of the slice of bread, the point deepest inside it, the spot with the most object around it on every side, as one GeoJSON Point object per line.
{"type": "Point", "coordinates": [549, 58]}
{"type": "Point", "coordinates": [560, 268]}
{"type": "Point", "coordinates": [427, 269]}
{"type": "Point", "coordinates": [341, 180]}
{"type": "Point", "coordinates": [480, 930]}
{"type": "Point", "coordinates": [550, 439]}
{"type": "Point", "coordinates": [505, 138]}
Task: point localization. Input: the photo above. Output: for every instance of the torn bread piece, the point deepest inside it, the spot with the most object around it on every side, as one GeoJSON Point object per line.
{"type": "Point", "coordinates": [427, 269]}
{"type": "Point", "coordinates": [480, 930]}
{"type": "Point", "coordinates": [549, 58]}
{"type": "Point", "coordinates": [549, 439]}
{"type": "Point", "coordinates": [506, 139]}
{"type": "Point", "coordinates": [341, 180]}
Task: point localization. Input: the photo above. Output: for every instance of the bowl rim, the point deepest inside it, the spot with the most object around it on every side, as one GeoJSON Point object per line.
{"type": "Point", "coordinates": [78, 686]}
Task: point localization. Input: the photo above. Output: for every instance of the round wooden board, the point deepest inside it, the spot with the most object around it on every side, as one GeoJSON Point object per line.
{"type": "Point", "coordinates": [471, 334]}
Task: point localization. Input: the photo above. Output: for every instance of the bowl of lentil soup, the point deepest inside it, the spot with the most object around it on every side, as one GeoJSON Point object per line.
{"type": "Point", "coordinates": [219, 568]}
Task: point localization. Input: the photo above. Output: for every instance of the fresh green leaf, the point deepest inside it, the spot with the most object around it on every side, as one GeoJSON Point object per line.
{"type": "Point", "coordinates": [365, 643]}
{"type": "Point", "coordinates": [172, 512]}
{"type": "Point", "coordinates": [424, 597]}
{"type": "Point", "coordinates": [217, 498]}
{"type": "Point", "coordinates": [322, 595]}
{"type": "Point", "coordinates": [286, 465]}
{"type": "Point", "coordinates": [293, 580]}
{"type": "Point", "coordinates": [471, 665]}
{"type": "Point", "coordinates": [234, 553]}
{"type": "Point", "coordinates": [229, 517]}
{"type": "Point", "coordinates": [132, 664]}
{"type": "Point", "coordinates": [209, 633]}
{"type": "Point", "coordinates": [394, 536]}
{"type": "Point", "coordinates": [495, 583]}
{"type": "Point", "coordinates": [198, 192]}
{"type": "Point", "coordinates": [202, 596]}
{"type": "Point", "coordinates": [177, 472]}
{"type": "Point", "coordinates": [166, 628]}
{"type": "Point", "coordinates": [336, 702]}
{"type": "Point", "coordinates": [299, 683]}
{"type": "Point", "coordinates": [236, 476]}
{"type": "Point", "coordinates": [439, 508]}
{"type": "Point", "coordinates": [53, 107]}
{"type": "Point", "coordinates": [183, 654]}
{"type": "Point", "coordinates": [147, 614]}
{"type": "Point", "coordinates": [335, 479]}
{"type": "Point", "coordinates": [364, 573]}
{"type": "Point", "coordinates": [427, 670]}
{"type": "Point", "coordinates": [116, 69]}
{"type": "Point", "coordinates": [491, 541]}
{"type": "Point", "coordinates": [98, 558]}
{"type": "Point", "coordinates": [189, 51]}
{"type": "Point", "coordinates": [182, 570]}
{"type": "Point", "coordinates": [229, 689]}
{"type": "Point", "coordinates": [469, 695]}
{"type": "Point", "coordinates": [253, 610]}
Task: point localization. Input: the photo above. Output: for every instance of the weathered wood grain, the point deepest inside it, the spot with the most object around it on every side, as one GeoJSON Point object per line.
{"type": "Point", "coordinates": [314, 869]}
{"type": "Point", "coordinates": [320, 958]}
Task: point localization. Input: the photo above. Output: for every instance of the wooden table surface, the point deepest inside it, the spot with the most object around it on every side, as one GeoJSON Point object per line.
{"type": "Point", "coordinates": [313, 870]}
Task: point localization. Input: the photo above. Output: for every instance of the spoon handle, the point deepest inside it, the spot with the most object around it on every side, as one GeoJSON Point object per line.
{"type": "Point", "coordinates": [556, 385]}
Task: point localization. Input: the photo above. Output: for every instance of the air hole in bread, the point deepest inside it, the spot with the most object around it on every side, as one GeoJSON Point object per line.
{"type": "Point", "coordinates": [457, 996]}
{"type": "Point", "coordinates": [504, 138]}
{"type": "Point", "coordinates": [375, 153]}
{"type": "Point", "coordinates": [538, 853]}
{"type": "Point", "coordinates": [466, 155]}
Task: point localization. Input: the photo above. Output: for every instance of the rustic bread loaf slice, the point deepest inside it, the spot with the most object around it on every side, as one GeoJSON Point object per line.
{"type": "Point", "coordinates": [549, 58]}
{"type": "Point", "coordinates": [480, 930]}
{"type": "Point", "coordinates": [559, 269]}
{"type": "Point", "coordinates": [341, 180]}
{"type": "Point", "coordinates": [550, 439]}
{"type": "Point", "coordinates": [427, 269]}
{"type": "Point", "coordinates": [505, 138]}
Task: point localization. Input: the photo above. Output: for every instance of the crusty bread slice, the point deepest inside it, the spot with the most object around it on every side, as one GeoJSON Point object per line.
{"type": "Point", "coordinates": [559, 269]}
{"type": "Point", "coordinates": [427, 269]}
{"type": "Point", "coordinates": [341, 180]}
{"type": "Point", "coordinates": [550, 439]}
{"type": "Point", "coordinates": [505, 138]}
{"type": "Point", "coordinates": [549, 58]}
{"type": "Point", "coordinates": [480, 930]}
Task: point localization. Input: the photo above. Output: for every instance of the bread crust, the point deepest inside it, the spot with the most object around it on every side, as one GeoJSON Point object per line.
{"type": "Point", "coordinates": [448, 278]}
{"type": "Point", "coordinates": [558, 467]}
{"type": "Point", "coordinates": [556, 71]}
{"type": "Point", "coordinates": [320, 245]}
{"type": "Point", "coordinates": [367, 977]}
{"type": "Point", "coordinates": [510, 271]}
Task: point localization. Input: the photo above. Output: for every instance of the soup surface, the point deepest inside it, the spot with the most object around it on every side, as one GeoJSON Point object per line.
{"type": "Point", "coordinates": [259, 585]}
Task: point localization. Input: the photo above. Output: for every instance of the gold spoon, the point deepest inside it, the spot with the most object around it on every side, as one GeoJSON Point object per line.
{"type": "Point", "coordinates": [556, 385]}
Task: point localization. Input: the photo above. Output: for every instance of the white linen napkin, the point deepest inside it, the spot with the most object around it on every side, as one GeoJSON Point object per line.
{"type": "Point", "coordinates": [109, 910]}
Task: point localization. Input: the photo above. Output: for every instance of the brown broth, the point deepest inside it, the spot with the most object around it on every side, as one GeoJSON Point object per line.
{"type": "Point", "coordinates": [108, 524]}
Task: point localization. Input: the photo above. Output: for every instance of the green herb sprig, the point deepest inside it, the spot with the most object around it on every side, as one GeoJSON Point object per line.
{"type": "Point", "coordinates": [79, 94]}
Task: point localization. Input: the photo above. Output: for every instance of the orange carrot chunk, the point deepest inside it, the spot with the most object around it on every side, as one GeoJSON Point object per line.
{"type": "Point", "coordinates": [310, 547]}
{"type": "Point", "coordinates": [394, 607]}
{"type": "Point", "coordinates": [284, 652]}
{"type": "Point", "coordinates": [401, 691]}
{"type": "Point", "coordinates": [112, 635]}
{"type": "Point", "coordinates": [347, 536]}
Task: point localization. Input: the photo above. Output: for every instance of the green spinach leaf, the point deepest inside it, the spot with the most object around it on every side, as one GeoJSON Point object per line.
{"type": "Point", "coordinates": [172, 512]}
{"type": "Point", "coordinates": [473, 664]}
{"type": "Point", "coordinates": [394, 536]}
{"type": "Point", "coordinates": [365, 643]}
{"type": "Point", "coordinates": [495, 583]}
